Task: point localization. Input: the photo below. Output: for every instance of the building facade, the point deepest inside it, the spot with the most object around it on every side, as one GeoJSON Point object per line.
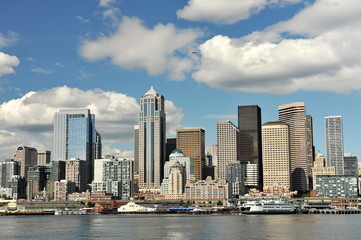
{"type": "Point", "coordinates": [336, 186]}
{"type": "Point", "coordinates": [43, 157]}
{"type": "Point", "coordinates": [75, 137]}
{"type": "Point", "coordinates": [27, 157]}
{"type": "Point", "coordinates": [152, 129]}
{"type": "Point", "coordinates": [76, 171]}
{"type": "Point", "coordinates": [192, 143]}
{"type": "Point", "coordinates": [276, 154]}
{"type": "Point", "coordinates": [228, 148]}
{"type": "Point", "coordinates": [319, 169]}
{"type": "Point", "coordinates": [334, 143]}
{"type": "Point", "coordinates": [208, 189]}
{"type": "Point", "coordinates": [178, 156]}
{"type": "Point", "coordinates": [351, 166]}
{"type": "Point", "coordinates": [294, 115]}
{"type": "Point", "coordinates": [250, 136]}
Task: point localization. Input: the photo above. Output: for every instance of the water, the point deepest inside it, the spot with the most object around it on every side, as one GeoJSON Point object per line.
{"type": "Point", "coordinates": [181, 227]}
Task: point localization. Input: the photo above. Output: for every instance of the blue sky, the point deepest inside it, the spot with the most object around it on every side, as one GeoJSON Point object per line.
{"type": "Point", "coordinates": [205, 56]}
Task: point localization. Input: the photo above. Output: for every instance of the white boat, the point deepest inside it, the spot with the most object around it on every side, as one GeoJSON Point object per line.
{"type": "Point", "coordinates": [267, 207]}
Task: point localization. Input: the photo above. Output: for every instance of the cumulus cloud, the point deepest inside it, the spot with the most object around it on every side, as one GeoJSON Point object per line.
{"type": "Point", "coordinates": [134, 46]}
{"type": "Point", "coordinates": [317, 55]}
{"type": "Point", "coordinates": [31, 116]}
{"type": "Point", "coordinates": [226, 11]}
{"type": "Point", "coordinates": [7, 63]}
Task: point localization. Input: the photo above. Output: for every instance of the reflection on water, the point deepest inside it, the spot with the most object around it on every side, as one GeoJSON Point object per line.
{"type": "Point", "coordinates": [177, 227]}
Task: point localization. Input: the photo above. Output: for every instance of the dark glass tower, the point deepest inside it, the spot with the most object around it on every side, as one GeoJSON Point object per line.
{"type": "Point", "coordinates": [250, 140]}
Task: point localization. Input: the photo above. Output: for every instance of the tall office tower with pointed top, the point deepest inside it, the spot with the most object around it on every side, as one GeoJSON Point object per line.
{"type": "Point", "coordinates": [75, 137]}
{"type": "Point", "coordinates": [250, 136]}
{"type": "Point", "coordinates": [228, 147]}
{"type": "Point", "coordinates": [152, 139]}
{"type": "Point", "coordinates": [334, 143]}
{"type": "Point", "coordinates": [294, 115]}
{"type": "Point", "coordinates": [192, 142]}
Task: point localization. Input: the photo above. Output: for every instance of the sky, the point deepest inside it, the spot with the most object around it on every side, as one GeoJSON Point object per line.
{"type": "Point", "coordinates": [206, 57]}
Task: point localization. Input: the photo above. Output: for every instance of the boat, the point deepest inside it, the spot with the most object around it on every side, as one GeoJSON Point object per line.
{"type": "Point", "coordinates": [267, 207]}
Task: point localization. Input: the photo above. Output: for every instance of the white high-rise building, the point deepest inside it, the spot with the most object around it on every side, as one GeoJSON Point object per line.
{"type": "Point", "coordinates": [334, 143]}
{"type": "Point", "coordinates": [228, 149]}
{"type": "Point", "coordinates": [152, 139]}
{"type": "Point", "coordinates": [294, 114]}
{"type": "Point", "coordinates": [276, 154]}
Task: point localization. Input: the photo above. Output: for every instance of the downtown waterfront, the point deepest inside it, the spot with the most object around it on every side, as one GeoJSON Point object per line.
{"type": "Point", "coordinates": [181, 227]}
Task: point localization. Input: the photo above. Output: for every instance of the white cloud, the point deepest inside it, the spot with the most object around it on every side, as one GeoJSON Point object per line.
{"type": "Point", "coordinates": [7, 63]}
{"type": "Point", "coordinates": [9, 39]}
{"type": "Point", "coordinates": [226, 11]}
{"type": "Point", "coordinates": [108, 150]}
{"type": "Point", "coordinates": [106, 3]}
{"type": "Point", "coordinates": [41, 70]}
{"type": "Point", "coordinates": [82, 19]}
{"type": "Point", "coordinates": [134, 46]}
{"type": "Point", "coordinates": [30, 117]}
{"type": "Point", "coordinates": [318, 55]}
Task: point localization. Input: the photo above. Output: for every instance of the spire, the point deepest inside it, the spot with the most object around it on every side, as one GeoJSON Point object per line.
{"type": "Point", "coordinates": [151, 92]}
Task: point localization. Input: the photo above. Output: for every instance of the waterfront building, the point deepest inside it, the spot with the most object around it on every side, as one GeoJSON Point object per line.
{"type": "Point", "coordinates": [334, 143]}
{"type": "Point", "coordinates": [319, 169]}
{"type": "Point", "coordinates": [250, 136]}
{"type": "Point", "coordinates": [76, 171]}
{"type": "Point", "coordinates": [192, 143]}
{"type": "Point", "coordinates": [27, 157]}
{"type": "Point", "coordinates": [336, 186]}
{"type": "Point", "coordinates": [75, 137]}
{"type": "Point", "coordinates": [152, 130]}
{"type": "Point", "coordinates": [43, 157]}
{"type": "Point", "coordinates": [62, 188]}
{"type": "Point", "coordinates": [276, 154]}
{"type": "Point", "coordinates": [177, 155]}
{"type": "Point", "coordinates": [79, 197]}
{"type": "Point", "coordinates": [109, 186]}
{"type": "Point", "coordinates": [228, 148]}
{"type": "Point", "coordinates": [294, 115]}
{"type": "Point", "coordinates": [350, 165]}
{"type": "Point", "coordinates": [208, 189]}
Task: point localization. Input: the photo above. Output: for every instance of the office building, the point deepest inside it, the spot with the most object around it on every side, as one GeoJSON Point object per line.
{"type": "Point", "coordinates": [8, 169]}
{"type": "Point", "coordinates": [170, 145]}
{"type": "Point", "coordinates": [336, 186]}
{"type": "Point", "coordinates": [350, 165]}
{"type": "Point", "coordinates": [294, 115]}
{"type": "Point", "coordinates": [236, 176]}
{"type": "Point", "coordinates": [251, 173]}
{"type": "Point", "coordinates": [136, 149]}
{"type": "Point", "coordinates": [75, 137]}
{"type": "Point", "coordinates": [250, 136]}
{"type": "Point", "coordinates": [39, 182]}
{"type": "Point", "coordinates": [334, 143]}
{"type": "Point", "coordinates": [62, 189]}
{"type": "Point", "coordinates": [309, 148]}
{"type": "Point", "coordinates": [152, 139]}
{"type": "Point", "coordinates": [76, 171]}
{"type": "Point", "coordinates": [192, 143]}
{"type": "Point", "coordinates": [276, 154]}
{"type": "Point", "coordinates": [98, 147]}
{"type": "Point", "coordinates": [43, 157]}
{"type": "Point", "coordinates": [208, 189]}
{"type": "Point", "coordinates": [27, 157]}
{"type": "Point", "coordinates": [176, 182]}
{"type": "Point", "coordinates": [228, 148]}
{"type": "Point", "coordinates": [319, 169]}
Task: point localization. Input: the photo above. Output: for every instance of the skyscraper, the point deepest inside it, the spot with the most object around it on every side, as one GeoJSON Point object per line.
{"type": "Point", "coordinates": [250, 136]}
{"type": "Point", "coordinates": [152, 129]}
{"type": "Point", "coordinates": [310, 148]}
{"type": "Point", "coordinates": [294, 115]}
{"type": "Point", "coordinates": [27, 157]}
{"type": "Point", "coordinates": [75, 137]}
{"type": "Point", "coordinates": [191, 142]}
{"type": "Point", "coordinates": [276, 155]}
{"type": "Point", "coordinates": [228, 148]}
{"type": "Point", "coordinates": [334, 143]}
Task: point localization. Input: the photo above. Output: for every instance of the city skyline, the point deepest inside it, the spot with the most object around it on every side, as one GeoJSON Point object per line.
{"type": "Point", "coordinates": [67, 55]}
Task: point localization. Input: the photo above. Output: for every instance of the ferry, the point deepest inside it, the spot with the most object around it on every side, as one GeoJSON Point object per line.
{"type": "Point", "coordinates": [267, 207]}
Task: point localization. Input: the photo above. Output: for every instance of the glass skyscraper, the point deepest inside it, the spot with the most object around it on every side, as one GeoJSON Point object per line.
{"type": "Point", "coordinates": [334, 143]}
{"type": "Point", "coordinates": [75, 137]}
{"type": "Point", "coordinates": [152, 127]}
